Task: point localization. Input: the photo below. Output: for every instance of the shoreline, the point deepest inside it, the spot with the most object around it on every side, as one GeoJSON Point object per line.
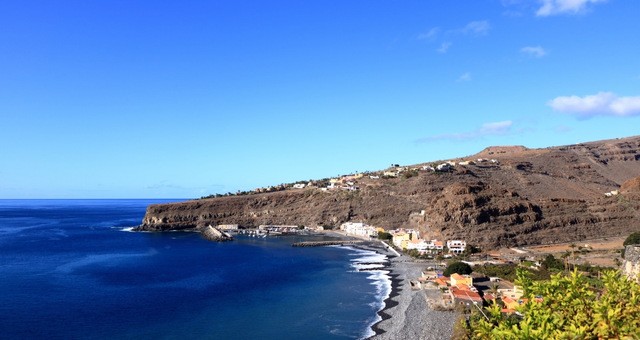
{"type": "Point", "coordinates": [406, 313]}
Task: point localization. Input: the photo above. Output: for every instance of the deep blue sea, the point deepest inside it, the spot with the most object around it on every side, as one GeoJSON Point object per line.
{"type": "Point", "coordinates": [68, 269]}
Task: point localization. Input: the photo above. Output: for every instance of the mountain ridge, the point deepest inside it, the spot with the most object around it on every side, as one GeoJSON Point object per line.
{"type": "Point", "coordinates": [501, 196]}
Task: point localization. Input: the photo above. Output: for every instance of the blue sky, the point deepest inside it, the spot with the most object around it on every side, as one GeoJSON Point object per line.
{"type": "Point", "coordinates": [154, 99]}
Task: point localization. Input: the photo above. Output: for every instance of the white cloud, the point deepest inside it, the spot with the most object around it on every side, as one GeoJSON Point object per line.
{"type": "Point", "coordinates": [486, 129]}
{"type": "Point", "coordinates": [429, 35]}
{"type": "Point", "coordinates": [554, 7]}
{"type": "Point", "coordinates": [477, 28]}
{"type": "Point", "coordinates": [465, 77]}
{"type": "Point", "coordinates": [444, 47]}
{"type": "Point", "coordinates": [600, 104]}
{"type": "Point", "coordinates": [534, 51]}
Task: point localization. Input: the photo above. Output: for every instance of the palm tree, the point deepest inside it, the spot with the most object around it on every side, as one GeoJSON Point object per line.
{"type": "Point", "coordinates": [566, 262]}
{"type": "Point", "coordinates": [494, 289]}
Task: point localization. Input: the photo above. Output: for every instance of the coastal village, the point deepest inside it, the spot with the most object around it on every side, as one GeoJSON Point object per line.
{"type": "Point", "coordinates": [421, 252]}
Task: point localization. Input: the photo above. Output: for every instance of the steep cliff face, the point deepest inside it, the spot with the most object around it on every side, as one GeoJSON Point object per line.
{"type": "Point", "coordinates": [525, 196]}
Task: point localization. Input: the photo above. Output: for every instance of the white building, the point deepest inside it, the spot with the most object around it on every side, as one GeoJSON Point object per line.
{"type": "Point", "coordinates": [359, 229]}
{"type": "Point", "coordinates": [298, 186]}
{"type": "Point", "coordinates": [456, 246]}
{"type": "Point", "coordinates": [228, 226]}
{"type": "Point", "coordinates": [425, 246]}
{"type": "Point", "coordinates": [390, 174]}
{"type": "Point", "coordinates": [444, 167]}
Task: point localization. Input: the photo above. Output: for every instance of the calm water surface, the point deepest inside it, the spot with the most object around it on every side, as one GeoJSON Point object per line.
{"type": "Point", "coordinates": [68, 270]}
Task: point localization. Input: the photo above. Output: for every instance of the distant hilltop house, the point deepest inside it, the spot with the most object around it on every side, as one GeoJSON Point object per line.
{"type": "Point", "coordinates": [298, 186]}
{"type": "Point", "coordinates": [612, 193]}
{"type": "Point", "coordinates": [485, 160]}
{"type": "Point", "coordinates": [390, 174]}
{"type": "Point", "coordinates": [444, 167]}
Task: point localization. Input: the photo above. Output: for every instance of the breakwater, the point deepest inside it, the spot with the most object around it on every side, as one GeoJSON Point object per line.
{"type": "Point", "coordinates": [325, 243]}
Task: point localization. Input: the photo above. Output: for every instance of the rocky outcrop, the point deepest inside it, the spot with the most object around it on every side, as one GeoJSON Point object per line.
{"type": "Point", "coordinates": [525, 197]}
{"type": "Point", "coordinates": [631, 262]}
{"type": "Point", "coordinates": [214, 234]}
{"type": "Point", "coordinates": [631, 186]}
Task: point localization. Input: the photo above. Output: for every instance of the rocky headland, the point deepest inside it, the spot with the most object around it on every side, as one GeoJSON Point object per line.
{"type": "Point", "coordinates": [502, 196]}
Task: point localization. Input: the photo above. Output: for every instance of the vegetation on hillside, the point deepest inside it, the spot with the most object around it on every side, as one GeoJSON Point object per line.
{"type": "Point", "coordinates": [632, 239]}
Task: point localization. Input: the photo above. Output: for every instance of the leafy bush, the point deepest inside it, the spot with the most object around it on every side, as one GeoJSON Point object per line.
{"type": "Point", "coordinates": [550, 262]}
{"type": "Point", "coordinates": [571, 307]}
{"type": "Point", "coordinates": [505, 271]}
{"type": "Point", "coordinates": [632, 239]}
{"type": "Point", "coordinates": [383, 235]}
{"type": "Point", "coordinates": [457, 267]}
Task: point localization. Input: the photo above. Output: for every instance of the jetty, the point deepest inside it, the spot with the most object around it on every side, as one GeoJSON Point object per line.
{"type": "Point", "coordinates": [326, 243]}
{"type": "Point", "coordinates": [214, 234]}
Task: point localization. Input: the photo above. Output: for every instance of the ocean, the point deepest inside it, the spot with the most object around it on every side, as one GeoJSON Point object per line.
{"type": "Point", "coordinates": [70, 269]}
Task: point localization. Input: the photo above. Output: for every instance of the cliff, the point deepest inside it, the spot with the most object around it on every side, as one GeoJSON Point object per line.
{"type": "Point", "coordinates": [514, 196]}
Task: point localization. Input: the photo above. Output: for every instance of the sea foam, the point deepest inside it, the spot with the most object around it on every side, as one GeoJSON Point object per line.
{"type": "Point", "coordinates": [373, 264]}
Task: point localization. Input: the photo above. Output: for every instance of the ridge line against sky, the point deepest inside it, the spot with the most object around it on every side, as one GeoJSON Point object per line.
{"type": "Point", "coordinates": [146, 99]}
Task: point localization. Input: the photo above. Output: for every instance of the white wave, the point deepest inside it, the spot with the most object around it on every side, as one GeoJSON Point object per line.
{"type": "Point", "coordinates": [368, 266]}
{"type": "Point", "coordinates": [128, 229]}
{"type": "Point", "coordinates": [100, 258]}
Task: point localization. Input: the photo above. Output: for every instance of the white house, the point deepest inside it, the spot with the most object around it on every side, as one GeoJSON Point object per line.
{"type": "Point", "coordinates": [298, 186]}
{"type": "Point", "coordinates": [456, 246]}
{"type": "Point", "coordinates": [444, 167]}
{"type": "Point", "coordinates": [359, 229]}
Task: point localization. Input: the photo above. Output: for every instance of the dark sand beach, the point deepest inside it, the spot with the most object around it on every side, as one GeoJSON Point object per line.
{"type": "Point", "coordinates": [406, 314]}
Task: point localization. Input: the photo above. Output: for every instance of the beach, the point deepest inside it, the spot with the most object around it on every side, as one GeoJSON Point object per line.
{"type": "Point", "coordinates": [406, 314]}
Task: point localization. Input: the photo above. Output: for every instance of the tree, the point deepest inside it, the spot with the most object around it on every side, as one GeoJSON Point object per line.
{"type": "Point", "coordinates": [494, 289]}
{"type": "Point", "coordinates": [383, 235]}
{"type": "Point", "coordinates": [550, 262]}
{"type": "Point", "coordinates": [457, 267]}
{"type": "Point", "coordinates": [632, 239]}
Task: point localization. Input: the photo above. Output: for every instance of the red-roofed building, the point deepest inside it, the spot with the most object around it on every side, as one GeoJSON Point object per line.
{"type": "Point", "coordinates": [464, 296]}
{"type": "Point", "coordinates": [442, 281]}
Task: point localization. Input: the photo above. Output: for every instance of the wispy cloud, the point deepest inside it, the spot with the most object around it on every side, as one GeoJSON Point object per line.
{"type": "Point", "coordinates": [476, 28]}
{"type": "Point", "coordinates": [487, 129]}
{"type": "Point", "coordinates": [555, 7]}
{"type": "Point", "coordinates": [430, 34]}
{"type": "Point", "coordinates": [444, 36]}
{"type": "Point", "coordinates": [534, 51]}
{"type": "Point", "coordinates": [562, 129]}
{"type": "Point", "coordinates": [600, 104]}
{"type": "Point", "coordinates": [464, 77]}
{"type": "Point", "coordinates": [444, 47]}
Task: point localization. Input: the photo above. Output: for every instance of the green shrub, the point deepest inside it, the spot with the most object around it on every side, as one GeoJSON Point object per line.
{"type": "Point", "coordinates": [458, 267]}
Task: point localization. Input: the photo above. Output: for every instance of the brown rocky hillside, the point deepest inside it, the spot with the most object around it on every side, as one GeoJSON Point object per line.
{"type": "Point", "coordinates": [522, 197]}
